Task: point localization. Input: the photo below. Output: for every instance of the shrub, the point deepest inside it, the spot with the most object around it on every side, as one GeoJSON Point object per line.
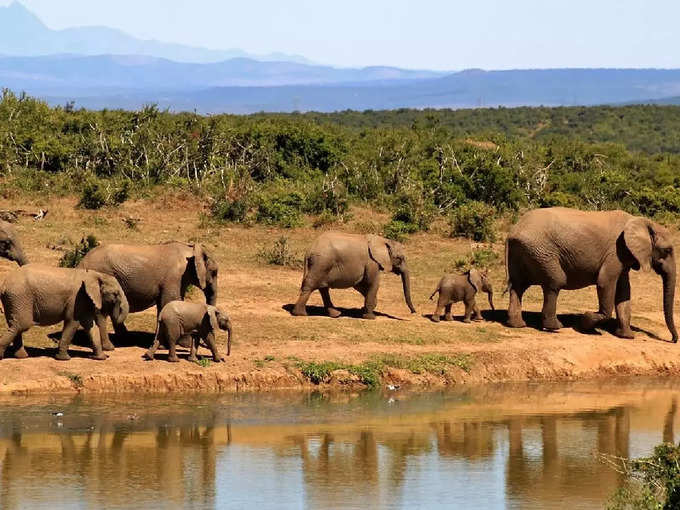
{"type": "Point", "coordinates": [95, 195]}
{"type": "Point", "coordinates": [280, 254]}
{"type": "Point", "coordinates": [282, 209]}
{"type": "Point", "coordinates": [325, 219]}
{"type": "Point", "coordinates": [481, 258]}
{"type": "Point", "coordinates": [73, 257]}
{"type": "Point", "coordinates": [229, 210]}
{"type": "Point", "coordinates": [398, 230]}
{"type": "Point", "coordinates": [474, 220]}
{"type": "Point", "coordinates": [560, 199]}
{"type": "Point", "coordinates": [327, 196]}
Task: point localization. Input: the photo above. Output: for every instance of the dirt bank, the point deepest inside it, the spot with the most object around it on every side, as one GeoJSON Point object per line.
{"type": "Point", "coordinates": [273, 350]}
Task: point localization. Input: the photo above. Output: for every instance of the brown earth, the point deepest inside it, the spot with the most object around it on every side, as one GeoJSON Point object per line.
{"type": "Point", "coordinates": [270, 344]}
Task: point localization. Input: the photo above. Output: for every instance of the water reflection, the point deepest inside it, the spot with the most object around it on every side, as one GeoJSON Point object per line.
{"type": "Point", "coordinates": [501, 447]}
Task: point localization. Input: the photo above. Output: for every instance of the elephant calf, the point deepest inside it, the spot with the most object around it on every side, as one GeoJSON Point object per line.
{"type": "Point", "coordinates": [42, 295]}
{"type": "Point", "coordinates": [453, 288]}
{"type": "Point", "coordinates": [181, 318]}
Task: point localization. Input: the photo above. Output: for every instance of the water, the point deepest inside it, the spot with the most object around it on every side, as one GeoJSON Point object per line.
{"type": "Point", "coordinates": [519, 446]}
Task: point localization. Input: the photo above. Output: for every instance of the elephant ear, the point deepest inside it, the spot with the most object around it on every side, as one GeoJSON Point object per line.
{"type": "Point", "coordinates": [199, 265]}
{"type": "Point", "coordinates": [211, 317]}
{"type": "Point", "coordinates": [475, 279]}
{"type": "Point", "coordinates": [92, 288]}
{"type": "Point", "coordinates": [379, 251]}
{"type": "Point", "coordinates": [638, 237]}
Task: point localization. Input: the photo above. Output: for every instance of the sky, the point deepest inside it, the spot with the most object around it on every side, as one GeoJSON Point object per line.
{"type": "Point", "coordinates": [416, 34]}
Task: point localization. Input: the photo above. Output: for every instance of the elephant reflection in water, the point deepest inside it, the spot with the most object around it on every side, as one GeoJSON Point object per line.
{"type": "Point", "coordinates": [112, 464]}
{"type": "Point", "coordinates": [362, 470]}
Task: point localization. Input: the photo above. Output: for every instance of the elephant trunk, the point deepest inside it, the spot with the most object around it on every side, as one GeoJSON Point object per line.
{"type": "Point", "coordinates": [668, 278]}
{"type": "Point", "coordinates": [18, 256]}
{"type": "Point", "coordinates": [229, 335]}
{"type": "Point", "coordinates": [406, 283]}
{"type": "Point", "coordinates": [210, 293]}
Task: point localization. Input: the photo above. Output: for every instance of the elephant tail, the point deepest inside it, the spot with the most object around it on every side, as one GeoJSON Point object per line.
{"type": "Point", "coordinates": [438, 289]}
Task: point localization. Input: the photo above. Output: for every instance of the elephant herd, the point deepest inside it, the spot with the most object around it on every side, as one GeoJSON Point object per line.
{"type": "Point", "coordinates": [555, 248]}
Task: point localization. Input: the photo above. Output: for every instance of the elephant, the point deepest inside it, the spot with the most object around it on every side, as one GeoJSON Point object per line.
{"type": "Point", "coordinates": [155, 274]}
{"type": "Point", "coordinates": [41, 295]}
{"type": "Point", "coordinates": [560, 248]}
{"type": "Point", "coordinates": [10, 247]}
{"type": "Point", "coordinates": [338, 261]}
{"type": "Point", "coordinates": [453, 288]}
{"type": "Point", "coordinates": [180, 318]}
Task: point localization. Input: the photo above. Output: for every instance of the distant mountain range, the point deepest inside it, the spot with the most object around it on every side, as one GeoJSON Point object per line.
{"type": "Point", "coordinates": [466, 89]}
{"type": "Point", "coordinates": [98, 67]}
{"type": "Point", "coordinates": [22, 33]}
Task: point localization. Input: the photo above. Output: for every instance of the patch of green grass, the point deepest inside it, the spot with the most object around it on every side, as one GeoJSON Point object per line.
{"type": "Point", "coordinates": [318, 372]}
{"type": "Point", "coordinates": [259, 363]}
{"type": "Point", "coordinates": [76, 379]}
{"type": "Point", "coordinates": [204, 362]}
{"type": "Point", "coordinates": [269, 357]}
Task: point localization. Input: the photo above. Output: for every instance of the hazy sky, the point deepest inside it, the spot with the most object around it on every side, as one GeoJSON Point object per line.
{"type": "Point", "coordinates": [434, 34]}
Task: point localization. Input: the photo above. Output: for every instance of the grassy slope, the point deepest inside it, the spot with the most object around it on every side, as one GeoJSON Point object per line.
{"type": "Point", "coordinates": [270, 343]}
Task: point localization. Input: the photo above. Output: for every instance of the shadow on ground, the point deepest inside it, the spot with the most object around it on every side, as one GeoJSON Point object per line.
{"type": "Point", "coordinates": [354, 313]}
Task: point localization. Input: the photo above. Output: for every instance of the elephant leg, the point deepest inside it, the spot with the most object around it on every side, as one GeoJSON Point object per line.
{"type": "Point", "coordinates": [212, 345]}
{"type": "Point", "coordinates": [515, 309]}
{"type": "Point", "coordinates": [469, 306]}
{"type": "Point", "coordinates": [151, 351]}
{"type": "Point", "coordinates": [622, 301]}
{"type": "Point", "coordinates": [95, 339]}
{"type": "Point", "coordinates": [9, 337]}
{"type": "Point", "coordinates": [19, 350]}
{"type": "Point", "coordinates": [549, 319]}
{"type": "Point", "coordinates": [370, 299]}
{"type": "Point", "coordinates": [172, 355]}
{"type": "Point", "coordinates": [194, 348]}
{"type": "Point", "coordinates": [447, 312]}
{"type": "Point", "coordinates": [104, 334]}
{"type": "Point", "coordinates": [328, 304]}
{"type": "Point", "coordinates": [300, 310]}
{"type": "Point", "coordinates": [441, 303]}
{"type": "Point", "coordinates": [477, 313]}
{"type": "Point", "coordinates": [70, 328]}
{"type": "Point", "coordinates": [606, 293]}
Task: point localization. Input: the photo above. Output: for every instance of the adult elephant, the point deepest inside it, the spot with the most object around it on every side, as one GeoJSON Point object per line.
{"type": "Point", "coordinates": [340, 261]}
{"type": "Point", "coordinates": [10, 247]}
{"type": "Point", "coordinates": [155, 274]}
{"type": "Point", "coordinates": [560, 248]}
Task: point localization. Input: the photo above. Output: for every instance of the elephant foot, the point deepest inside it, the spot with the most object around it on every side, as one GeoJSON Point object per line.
{"type": "Point", "coordinates": [108, 347]}
{"type": "Point", "coordinates": [448, 318]}
{"type": "Point", "coordinates": [193, 359]}
{"type": "Point", "coordinates": [369, 316]}
{"type": "Point", "coordinates": [219, 359]}
{"type": "Point", "coordinates": [435, 317]}
{"type": "Point", "coordinates": [478, 319]}
{"type": "Point", "coordinates": [552, 324]}
{"type": "Point", "coordinates": [299, 312]}
{"type": "Point", "coordinates": [173, 359]}
{"type": "Point", "coordinates": [590, 320]}
{"type": "Point", "coordinates": [62, 356]}
{"type": "Point", "coordinates": [333, 313]}
{"type": "Point", "coordinates": [467, 321]}
{"type": "Point", "coordinates": [21, 354]}
{"type": "Point", "coordinates": [624, 333]}
{"type": "Point", "coordinates": [148, 355]}
{"type": "Point", "coordinates": [516, 323]}
{"type": "Point", "coordinates": [99, 357]}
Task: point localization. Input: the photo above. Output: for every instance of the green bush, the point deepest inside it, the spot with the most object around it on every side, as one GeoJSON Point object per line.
{"type": "Point", "coordinates": [229, 210]}
{"type": "Point", "coordinates": [398, 230]}
{"type": "Point", "coordinates": [73, 257]}
{"type": "Point", "coordinates": [474, 220]}
{"type": "Point", "coordinates": [96, 194]}
{"type": "Point", "coordinates": [280, 254]}
{"type": "Point", "coordinates": [481, 258]}
{"type": "Point", "coordinates": [281, 209]}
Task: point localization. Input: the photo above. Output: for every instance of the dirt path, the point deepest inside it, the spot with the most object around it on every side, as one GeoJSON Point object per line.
{"type": "Point", "coordinates": [273, 350]}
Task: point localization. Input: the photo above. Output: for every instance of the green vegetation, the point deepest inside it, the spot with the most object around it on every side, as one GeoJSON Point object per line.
{"type": "Point", "coordinates": [76, 379]}
{"type": "Point", "coordinates": [280, 254]}
{"type": "Point", "coordinates": [651, 482]}
{"type": "Point", "coordinates": [72, 258]}
{"type": "Point", "coordinates": [204, 362]}
{"type": "Point", "coordinates": [370, 371]}
{"type": "Point", "coordinates": [467, 166]}
{"type": "Point", "coordinates": [481, 258]}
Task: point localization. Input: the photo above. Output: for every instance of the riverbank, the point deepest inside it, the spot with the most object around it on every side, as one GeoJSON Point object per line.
{"type": "Point", "coordinates": [274, 351]}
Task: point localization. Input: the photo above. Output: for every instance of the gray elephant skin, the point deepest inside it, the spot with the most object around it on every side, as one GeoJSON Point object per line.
{"type": "Point", "coordinates": [43, 296]}
{"type": "Point", "coordinates": [155, 274]}
{"type": "Point", "coordinates": [453, 288]}
{"type": "Point", "coordinates": [340, 261]}
{"type": "Point", "coordinates": [10, 247]}
{"type": "Point", "coordinates": [560, 248]}
{"type": "Point", "coordinates": [179, 319]}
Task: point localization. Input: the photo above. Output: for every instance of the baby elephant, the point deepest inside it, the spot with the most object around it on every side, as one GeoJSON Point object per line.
{"type": "Point", "coordinates": [200, 321]}
{"type": "Point", "coordinates": [461, 287]}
